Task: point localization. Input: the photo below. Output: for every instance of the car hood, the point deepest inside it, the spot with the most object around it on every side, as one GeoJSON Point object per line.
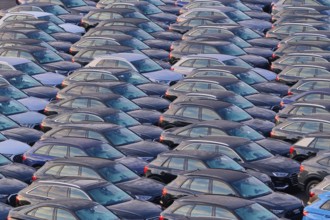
{"type": "Point", "coordinates": [28, 135]}
{"type": "Point", "coordinates": [33, 103]}
{"type": "Point", "coordinates": [277, 164]}
{"type": "Point", "coordinates": [164, 76]}
{"type": "Point", "coordinates": [16, 147]}
{"type": "Point", "coordinates": [269, 75]}
{"type": "Point", "coordinates": [72, 28]}
{"type": "Point", "coordinates": [63, 46]}
{"type": "Point", "coordinates": [138, 187]}
{"type": "Point", "coordinates": [282, 147]}
{"type": "Point", "coordinates": [133, 163]}
{"type": "Point", "coordinates": [163, 16]}
{"type": "Point", "coordinates": [261, 113]}
{"type": "Point", "coordinates": [158, 43]}
{"type": "Point", "coordinates": [278, 200]}
{"type": "Point", "coordinates": [18, 171]}
{"type": "Point", "coordinates": [28, 118]}
{"type": "Point", "coordinates": [146, 116]}
{"type": "Point", "coordinates": [167, 35]}
{"type": "Point", "coordinates": [156, 54]}
{"type": "Point", "coordinates": [261, 99]}
{"type": "Point", "coordinates": [261, 126]}
{"type": "Point", "coordinates": [153, 88]}
{"type": "Point", "coordinates": [147, 132]}
{"type": "Point", "coordinates": [151, 102]}
{"type": "Point", "coordinates": [49, 78]}
{"type": "Point", "coordinates": [11, 186]}
{"type": "Point", "coordinates": [267, 42]}
{"type": "Point", "coordinates": [255, 60]}
{"type": "Point", "coordinates": [136, 209]}
{"type": "Point", "coordinates": [70, 37]}
{"type": "Point", "coordinates": [259, 51]}
{"type": "Point", "coordinates": [63, 66]}
{"type": "Point", "coordinates": [144, 149]}
{"type": "Point", "coordinates": [275, 88]}
{"type": "Point", "coordinates": [44, 92]}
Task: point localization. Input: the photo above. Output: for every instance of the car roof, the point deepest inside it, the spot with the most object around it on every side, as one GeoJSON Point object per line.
{"type": "Point", "coordinates": [218, 80]}
{"type": "Point", "coordinates": [73, 141]}
{"type": "Point", "coordinates": [316, 103]}
{"type": "Point", "coordinates": [97, 127]}
{"type": "Point", "coordinates": [221, 139]}
{"type": "Point", "coordinates": [14, 60]}
{"type": "Point", "coordinates": [206, 103]}
{"type": "Point", "coordinates": [88, 161]}
{"type": "Point", "coordinates": [226, 175]}
{"type": "Point", "coordinates": [11, 73]}
{"type": "Point", "coordinates": [202, 155]}
{"type": "Point", "coordinates": [34, 13]}
{"type": "Point", "coordinates": [27, 48]}
{"type": "Point", "coordinates": [314, 117]}
{"type": "Point", "coordinates": [128, 56]}
{"type": "Point", "coordinates": [71, 204]}
{"type": "Point", "coordinates": [74, 182]}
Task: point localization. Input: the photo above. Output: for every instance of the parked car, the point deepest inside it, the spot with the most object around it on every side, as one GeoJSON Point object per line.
{"type": "Point", "coordinates": [9, 188]}
{"type": "Point", "coordinates": [319, 209]}
{"type": "Point", "coordinates": [322, 187]}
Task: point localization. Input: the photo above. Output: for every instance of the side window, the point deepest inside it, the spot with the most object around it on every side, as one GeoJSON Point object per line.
{"type": "Point", "coordinates": [310, 97]}
{"type": "Point", "coordinates": [43, 150]}
{"type": "Point", "coordinates": [62, 214]}
{"type": "Point", "coordinates": [184, 87]}
{"type": "Point", "coordinates": [59, 192]}
{"type": "Point", "coordinates": [202, 211]}
{"type": "Point", "coordinates": [77, 117]}
{"type": "Point", "coordinates": [61, 133]}
{"type": "Point", "coordinates": [53, 170]}
{"type": "Point", "coordinates": [200, 86]}
{"type": "Point", "coordinates": [76, 152]}
{"type": "Point", "coordinates": [191, 147]}
{"type": "Point", "coordinates": [96, 103]}
{"type": "Point", "coordinates": [70, 171]}
{"type": "Point", "coordinates": [221, 188]}
{"type": "Point", "coordinates": [208, 147]}
{"type": "Point", "coordinates": [304, 110]}
{"type": "Point", "coordinates": [320, 110]}
{"type": "Point", "coordinates": [208, 114]}
{"type": "Point", "coordinates": [322, 143]}
{"type": "Point", "coordinates": [200, 185]}
{"type": "Point", "coordinates": [295, 126]}
{"type": "Point", "coordinates": [187, 63]}
{"type": "Point", "coordinates": [195, 165]}
{"type": "Point", "coordinates": [229, 152]}
{"type": "Point", "coordinates": [176, 163]}
{"type": "Point", "coordinates": [97, 136]}
{"type": "Point", "coordinates": [77, 194]}
{"type": "Point", "coordinates": [199, 132]}
{"type": "Point", "coordinates": [223, 213]}
{"type": "Point", "coordinates": [58, 151]}
{"type": "Point", "coordinates": [80, 103]}
{"type": "Point", "coordinates": [200, 63]}
{"type": "Point", "coordinates": [183, 210]}
{"type": "Point", "coordinates": [87, 172]}
{"type": "Point", "coordinates": [215, 132]}
{"type": "Point", "coordinates": [325, 161]}
{"type": "Point", "coordinates": [309, 127]}
{"type": "Point", "coordinates": [326, 206]}
{"type": "Point", "coordinates": [44, 212]}
{"type": "Point", "coordinates": [39, 191]}
{"type": "Point", "coordinates": [191, 112]}
{"type": "Point", "coordinates": [77, 133]}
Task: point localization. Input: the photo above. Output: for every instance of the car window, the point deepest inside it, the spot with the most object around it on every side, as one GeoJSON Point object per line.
{"type": "Point", "coordinates": [43, 150]}
{"type": "Point", "coordinates": [53, 170]}
{"type": "Point", "coordinates": [310, 97]}
{"type": "Point", "coordinates": [295, 126]}
{"type": "Point", "coordinates": [221, 188]}
{"type": "Point", "coordinates": [59, 192]}
{"type": "Point", "coordinates": [176, 163]}
{"type": "Point", "coordinates": [184, 87]}
{"type": "Point", "coordinates": [39, 191]}
{"type": "Point", "coordinates": [80, 103]}
{"type": "Point", "coordinates": [326, 205]}
{"type": "Point", "coordinates": [62, 214]}
{"type": "Point", "coordinates": [229, 152]}
{"type": "Point", "coordinates": [200, 185]}
{"type": "Point", "coordinates": [183, 210]}
{"type": "Point", "coordinates": [310, 127]}
{"type": "Point", "coordinates": [208, 114]}
{"type": "Point", "coordinates": [58, 151]}
{"type": "Point", "coordinates": [303, 110]}
{"type": "Point", "coordinates": [77, 194]}
{"type": "Point", "coordinates": [44, 212]}
{"type": "Point", "coordinates": [87, 172]}
{"type": "Point", "coordinates": [77, 133]}
{"type": "Point", "coordinates": [326, 127]}
{"type": "Point", "coordinates": [61, 133]}
{"type": "Point", "coordinates": [325, 161]}
{"type": "Point", "coordinates": [199, 132]}
{"type": "Point", "coordinates": [195, 165]}
{"type": "Point", "coordinates": [321, 143]}
{"type": "Point", "coordinates": [97, 136]}
{"type": "Point", "coordinates": [70, 171]}
{"type": "Point", "coordinates": [208, 147]}
{"type": "Point", "coordinates": [202, 211]}
{"type": "Point", "coordinates": [187, 63]}
{"type": "Point", "coordinates": [223, 213]}
{"type": "Point", "coordinates": [191, 112]}
{"type": "Point", "coordinates": [199, 63]}
{"type": "Point", "coordinates": [77, 117]}
{"type": "Point", "coordinates": [75, 152]}
{"type": "Point", "coordinates": [215, 132]}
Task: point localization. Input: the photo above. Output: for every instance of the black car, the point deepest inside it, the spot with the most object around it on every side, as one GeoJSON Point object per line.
{"type": "Point", "coordinates": [112, 101]}
{"type": "Point", "coordinates": [283, 171]}
{"type": "Point", "coordinates": [313, 170]}
{"type": "Point", "coordinates": [48, 59]}
{"type": "Point", "coordinates": [194, 111]}
{"type": "Point", "coordinates": [232, 183]}
{"type": "Point", "coordinates": [8, 190]}
{"type": "Point", "coordinates": [203, 84]}
{"type": "Point", "coordinates": [216, 47]}
{"type": "Point", "coordinates": [299, 108]}
{"type": "Point", "coordinates": [230, 97]}
{"type": "Point", "coordinates": [96, 168]}
{"type": "Point", "coordinates": [294, 128]}
{"type": "Point", "coordinates": [124, 75]}
{"type": "Point", "coordinates": [225, 207]}
{"type": "Point", "coordinates": [308, 84]}
{"type": "Point", "coordinates": [15, 170]}
{"type": "Point", "coordinates": [124, 205]}
{"type": "Point", "coordinates": [78, 209]}
{"type": "Point", "coordinates": [124, 89]}
{"type": "Point", "coordinates": [174, 136]}
{"type": "Point", "coordinates": [309, 146]}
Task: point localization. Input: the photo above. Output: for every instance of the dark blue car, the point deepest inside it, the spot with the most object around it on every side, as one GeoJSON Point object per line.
{"type": "Point", "coordinates": [317, 94]}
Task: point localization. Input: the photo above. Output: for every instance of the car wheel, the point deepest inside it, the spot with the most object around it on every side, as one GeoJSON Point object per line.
{"type": "Point", "coordinates": [311, 185]}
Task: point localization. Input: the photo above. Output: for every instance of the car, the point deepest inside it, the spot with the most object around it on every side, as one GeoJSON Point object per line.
{"type": "Point", "coordinates": [294, 128]}
{"type": "Point", "coordinates": [48, 59]}
{"type": "Point", "coordinates": [124, 89]}
{"type": "Point", "coordinates": [303, 38]}
{"type": "Point", "coordinates": [96, 168]}
{"type": "Point", "coordinates": [78, 209]}
{"type": "Point", "coordinates": [31, 42]}
{"type": "Point", "coordinates": [322, 187]}
{"type": "Point", "coordinates": [232, 183]}
{"type": "Point", "coordinates": [29, 67]}
{"type": "Point", "coordinates": [120, 74]}
{"type": "Point", "coordinates": [140, 63]}
{"type": "Point", "coordinates": [194, 111]}
{"type": "Point", "coordinates": [14, 170]}
{"type": "Point", "coordinates": [113, 101]}
{"type": "Point", "coordinates": [293, 73]}
{"type": "Point", "coordinates": [168, 165]}
{"type": "Point", "coordinates": [28, 84]}
{"type": "Point", "coordinates": [232, 98]}
{"type": "Point", "coordinates": [228, 207]}
{"type": "Point", "coordinates": [110, 196]}
{"type": "Point", "coordinates": [313, 171]}
{"type": "Point", "coordinates": [312, 95]}
{"type": "Point", "coordinates": [27, 15]}
{"type": "Point", "coordinates": [285, 29]}
{"type": "Point", "coordinates": [119, 137]}
{"type": "Point", "coordinates": [307, 84]}
{"type": "Point", "coordinates": [302, 108]}
{"type": "Point", "coordinates": [204, 84]}
{"type": "Point", "coordinates": [319, 209]}
{"type": "Point", "coordinates": [174, 136]}
{"type": "Point", "coordinates": [9, 188]}
{"type": "Point", "coordinates": [283, 171]}
{"type": "Point", "coordinates": [301, 10]}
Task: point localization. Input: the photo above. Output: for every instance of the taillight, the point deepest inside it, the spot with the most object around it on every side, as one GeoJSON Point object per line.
{"type": "Point", "coordinates": [145, 169]}
{"type": "Point", "coordinates": [302, 168]}
{"type": "Point", "coordinates": [291, 150]}
{"type": "Point", "coordinates": [290, 93]}
{"type": "Point", "coordinates": [164, 192]}
{"type": "Point", "coordinates": [277, 118]}
{"type": "Point", "coordinates": [57, 97]}
{"type": "Point", "coordinates": [161, 119]}
{"type": "Point", "coordinates": [161, 218]}
{"type": "Point", "coordinates": [72, 59]}
{"type": "Point", "coordinates": [172, 68]}
{"type": "Point", "coordinates": [170, 55]}
{"type": "Point", "coordinates": [277, 78]}
{"type": "Point", "coordinates": [273, 56]}
{"type": "Point", "coordinates": [272, 133]}
{"type": "Point", "coordinates": [171, 47]}
{"type": "Point", "coordinates": [305, 213]}
{"type": "Point", "coordinates": [311, 194]}
{"type": "Point", "coordinates": [282, 104]}
{"type": "Point", "coordinates": [23, 157]}
{"type": "Point", "coordinates": [18, 199]}
{"type": "Point", "coordinates": [161, 138]}
{"type": "Point", "coordinates": [34, 178]}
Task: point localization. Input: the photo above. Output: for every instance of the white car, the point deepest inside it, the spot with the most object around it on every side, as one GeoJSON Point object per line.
{"type": "Point", "coordinates": [28, 15]}
{"type": "Point", "coordinates": [138, 62]}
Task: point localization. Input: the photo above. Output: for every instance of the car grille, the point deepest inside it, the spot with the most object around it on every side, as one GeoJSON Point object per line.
{"type": "Point", "coordinates": [294, 179]}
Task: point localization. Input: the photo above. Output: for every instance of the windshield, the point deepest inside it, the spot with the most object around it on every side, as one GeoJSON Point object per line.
{"type": "Point", "coordinates": [223, 162]}
{"type": "Point", "coordinates": [245, 132]}
{"type": "Point", "coordinates": [255, 212]}
{"type": "Point", "coordinates": [237, 62]}
{"type": "Point", "coordinates": [12, 92]}
{"type": "Point", "coordinates": [2, 138]}
{"type": "Point", "coordinates": [233, 113]}
{"type": "Point", "coordinates": [122, 136]}
{"type": "Point", "coordinates": [251, 77]}
{"type": "Point", "coordinates": [230, 49]}
{"type": "Point", "coordinates": [122, 104]}
{"type": "Point", "coordinates": [140, 34]}
{"type": "Point", "coordinates": [46, 56]}
{"type": "Point", "coordinates": [253, 152]}
{"type": "Point", "coordinates": [50, 28]}
{"type": "Point", "coordinates": [104, 151]}
{"type": "Point", "coordinates": [24, 82]}
{"type": "Point", "coordinates": [149, 9]}
{"type": "Point", "coordinates": [237, 15]}
{"type": "Point", "coordinates": [96, 213]}
{"type": "Point", "coordinates": [135, 43]}
{"type": "Point", "coordinates": [239, 101]}
{"type": "Point", "coordinates": [73, 3]}
{"type": "Point", "coordinates": [122, 119]}
{"type": "Point", "coordinates": [11, 107]}
{"type": "Point", "coordinates": [52, 18]}
{"type": "Point", "coordinates": [146, 65]}
{"type": "Point", "coordinates": [39, 35]}
{"type": "Point", "coordinates": [238, 5]}
{"type": "Point", "coordinates": [6, 123]}
{"type": "Point", "coordinates": [118, 173]}
{"type": "Point", "coordinates": [109, 195]}
{"type": "Point", "coordinates": [4, 160]}
{"type": "Point", "coordinates": [128, 91]}
{"type": "Point", "coordinates": [29, 68]}
{"type": "Point", "coordinates": [245, 33]}
{"type": "Point", "coordinates": [55, 9]}
{"type": "Point", "coordinates": [241, 88]}
{"type": "Point", "coordinates": [133, 78]}
{"type": "Point", "coordinates": [251, 187]}
{"type": "Point", "coordinates": [150, 27]}
{"type": "Point", "coordinates": [240, 42]}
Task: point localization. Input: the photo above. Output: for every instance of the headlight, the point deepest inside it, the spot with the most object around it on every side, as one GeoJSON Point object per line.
{"type": "Point", "coordinates": [280, 174]}
{"type": "Point", "coordinates": [143, 197]}
{"type": "Point", "coordinates": [2, 196]}
{"type": "Point", "coordinates": [147, 159]}
{"type": "Point", "coordinates": [277, 211]}
{"type": "Point", "coordinates": [264, 178]}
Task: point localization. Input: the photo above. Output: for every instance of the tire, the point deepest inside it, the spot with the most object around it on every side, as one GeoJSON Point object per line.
{"type": "Point", "coordinates": [311, 184]}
